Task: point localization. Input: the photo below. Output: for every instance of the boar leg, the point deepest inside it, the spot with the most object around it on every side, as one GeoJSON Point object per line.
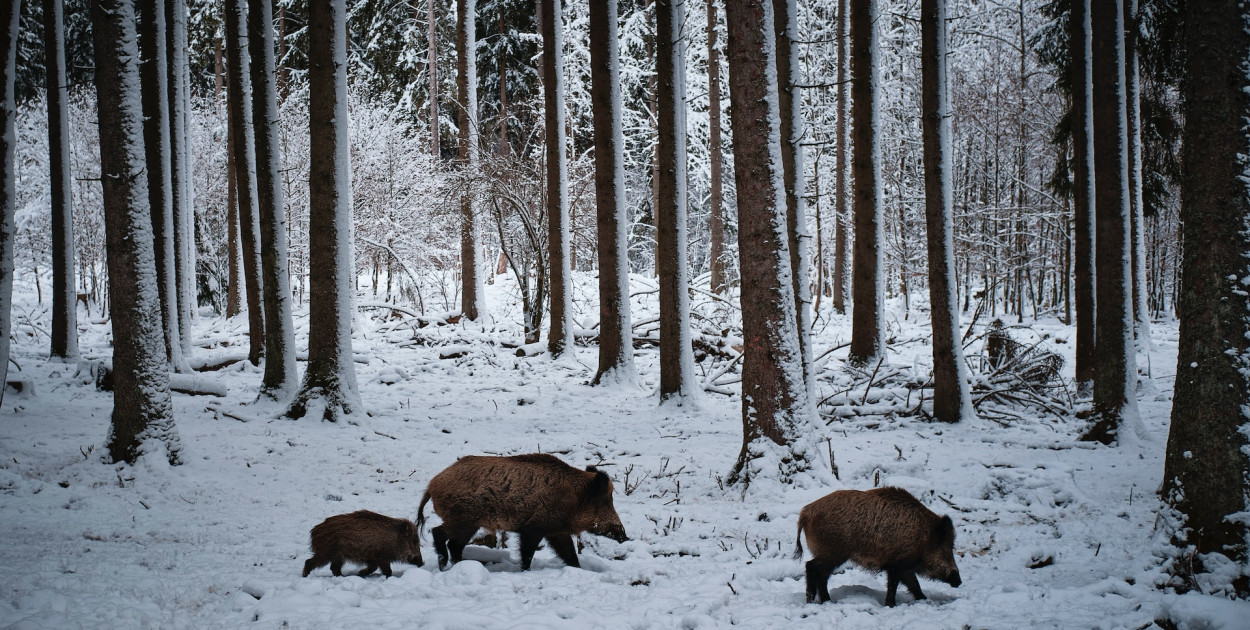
{"type": "Point", "coordinates": [440, 545]}
{"type": "Point", "coordinates": [529, 544]}
{"type": "Point", "coordinates": [818, 570]}
{"type": "Point", "coordinates": [336, 567]}
{"type": "Point", "coordinates": [913, 585]}
{"type": "Point", "coordinates": [386, 568]}
{"type": "Point", "coordinates": [563, 545]}
{"type": "Point", "coordinates": [368, 570]}
{"type": "Point", "coordinates": [314, 563]}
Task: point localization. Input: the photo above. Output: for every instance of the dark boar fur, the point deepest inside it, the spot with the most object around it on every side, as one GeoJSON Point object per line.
{"type": "Point", "coordinates": [538, 496]}
{"type": "Point", "coordinates": [366, 538]}
{"type": "Point", "coordinates": [884, 529]}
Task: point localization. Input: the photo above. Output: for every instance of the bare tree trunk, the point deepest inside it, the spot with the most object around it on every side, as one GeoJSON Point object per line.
{"type": "Point", "coordinates": [330, 377]}
{"type": "Point", "coordinates": [432, 71]}
{"type": "Point", "coordinates": [867, 340]}
{"type": "Point", "coordinates": [280, 377]}
{"type": "Point", "coordinates": [471, 291]}
{"type": "Point", "coordinates": [775, 404]}
{"type": "Point", "coordinates": [653, 96]}
{"type": "Point", "coordinates": [1207, 465]}
{"type": "Point", "coordinates": [11, 14]}
{"type": "Point", "coordinates": [560, 338]}
{"type": "Point", "coordinates": [1141, 314]}
{"type": "Point", "coordinates": [1082, 191]}
{"type": "Point", "coordinates": [616, 350]}
{"type": "Point", "coordinates": [64, 298]}
{"type": "Point", "coordinates": [840, 167]}
{"type": "Point", "coordinates": [503, 94]}
{"type": "Point", "coordinates": [142, 407]}
{"type": "Point", "coordinates": [234, 292]}
{"type": "Point", "coordinates": [180, 168]}
{"type": "Point", "coordinates": [716, 209]}
{"type": "Point", "coordinates": [1115, 370]}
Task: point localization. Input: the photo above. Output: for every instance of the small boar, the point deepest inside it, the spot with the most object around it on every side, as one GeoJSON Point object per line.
{"type": "Point", "coordinates": [879, 529]}
{"type": "Point", "coordinates": [538, 496]}
{"type": "Point", "coordinates": [366, 538]}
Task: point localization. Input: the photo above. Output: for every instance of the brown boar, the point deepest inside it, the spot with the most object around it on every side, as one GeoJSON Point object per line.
{"type": "Point", "coordinates": [537, 496]}
{"type": "Point", "coordinates": [366, 538]}
{"type": "Point", "coordinates": [883, 529]}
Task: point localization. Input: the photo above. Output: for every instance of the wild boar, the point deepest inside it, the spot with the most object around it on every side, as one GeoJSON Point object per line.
{"type": "Point", "coordinates": [366, 538]}
{"type": "Point", "coordinates": [879, 529]}
{"type": "Point", "coordinates": [537, 496]}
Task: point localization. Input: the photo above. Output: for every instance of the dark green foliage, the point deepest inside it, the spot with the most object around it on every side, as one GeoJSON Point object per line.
{"type": "Point", "coordinates": [30, 56]}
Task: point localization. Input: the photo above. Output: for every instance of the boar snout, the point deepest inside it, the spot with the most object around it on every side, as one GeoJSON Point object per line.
{"type": "Point", "coordinates": [952, 578]}
{"type": "Point", "coordinates": [615, 532]}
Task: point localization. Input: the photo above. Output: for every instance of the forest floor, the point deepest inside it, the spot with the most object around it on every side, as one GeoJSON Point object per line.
{"type": "Point", "coordinates": [1052, 533]}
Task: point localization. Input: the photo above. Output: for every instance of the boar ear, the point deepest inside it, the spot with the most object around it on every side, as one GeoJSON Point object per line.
{"type": "Point", "coordinates": [407, 529]}
{"type": "Point", "coordinates": [944, 530]}
{"type": "Point", "coordinates": [601, 485]}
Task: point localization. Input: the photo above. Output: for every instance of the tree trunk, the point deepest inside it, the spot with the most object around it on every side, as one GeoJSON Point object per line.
{"type": "Point", "coordinates": [471, 291]}
{"type": "Point", "coordinates": [716, 210]}
{"type": "Point", "coordinates": [330, 377]}
{"type": "Point", "coordinates": [180, 168]}
{"type": "Point", "coordinates": [11, 15]}
{"type": "Point", "coordinates": [1082, 191]}
{"type": "Point", "coordinates": [841, 184]}
{"type": "Point", "coordinates": [560, 337]}
{"type": "Point", "coordinates": [616, 349]}
{"type": "Point", "coordinates": [867, 342]}
{"type": "Point", "coordinates": [238, 61]}
{"type": "Point", "coordinates": [142, 407]}
{"type": "Point", "coordinates": [280, 377]}
{"type": "Point", "coordinates": [503, 93]}
{"type": "Point", "coordinates": [1207, 465]}
{"type": "Point", "coordinates": [64, 291]}
{"type": "Point", "coordinates": [234, 290]}
{"type": "Point", "coordinates": [952, 399]}
{"type": "Point", "coordinates": [1141, 315]}
{"type": "Point", "coordinates": [1115, 370]}
{"type": "Point", "coordinates": [786, 30]}
{"type": "Point", "coordinates": [775, 404]}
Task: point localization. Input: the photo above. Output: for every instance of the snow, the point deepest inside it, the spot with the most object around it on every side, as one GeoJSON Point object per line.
{"type": "Point", "coordinates": [219, 541]}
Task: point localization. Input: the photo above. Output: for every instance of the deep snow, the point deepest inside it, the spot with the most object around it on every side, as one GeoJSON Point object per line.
{"type": "Point", "coordinates": [220, 541]}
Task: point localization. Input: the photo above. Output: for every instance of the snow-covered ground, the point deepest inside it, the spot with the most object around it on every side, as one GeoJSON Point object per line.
{"type": "Point", "coordinates": [220, 541]}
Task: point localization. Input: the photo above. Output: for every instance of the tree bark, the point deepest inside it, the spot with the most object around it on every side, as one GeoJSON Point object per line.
{"type": "Point", "coordinates": [616, 349]}
{"type": "Point", "coordinates": [1082, 191]}
{"type": "Point", "coordinates": [239, 91]}
{"type": "Point", "coordinates": [142, 407]}
{"type": "Point", "coordinates": [1132, 85]}
{"type": "Point", "coordinates": [716, 196]}
{"type": "Point", "coordinates": [841, 183]}
{"type": "Point", "coordinates": [867, 341]}
{"type": "Point", "coordinates": [471, 291]}
{"type": "Point", "coordinates": [11, 14]}
{"type": "Point", "coordinates": [1207, 465]}
{"type": "Point", "coordinates": [280, 377]}
{"type": "Point", "coordinates": [775, 404]}
{"type": "Point", "coordinates": [560, 337]}
{"type": "Point", "coordinates": [1115, 371]}
{"type": "Point", "coordinates": [64, 291]}
{"type": "Point", "coordinates": [330, 376]}
{"type": "Point", "coordinates": [180, 168]}
{"type": "Point", "coordinates": [432, 71]}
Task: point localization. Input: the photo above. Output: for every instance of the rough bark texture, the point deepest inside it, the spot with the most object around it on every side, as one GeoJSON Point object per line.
{"type": "Point", "coordinates": [8, 179]}
{"type": "Point", "coordinates": [1207, 469]}
{"type": "Point", "coordinates": [560, 337]}
{"type": "Point", "coordinates": [238, 103]}
{"type": "Point", "coordinates": [180, 167]}
{"type": "Point", "coordinates": [866, 334]}
{"type": "Point", "coordinates": [280, 376]}
{"type": "Point", "coordinates": [950, 393]}
{"type": "Point", "coordinates": [432, 67]}
{"type": "Point", "coordinates": [330, 376]}
{"type": "Point", "coordinates": [1132, 87]}
{"type": "Point", "coordinates": [1082, 193]}
{"type": "Point", "coordinates": [616, 349]}
{"type": "Point", "coordinates": [774, 394]}
{"type": "Point", "coordinates": [716, 210]}
{"type": "Point", "coordinates": [676, 354]}
{"type": "Point", "coordinates": [153, 73]}
{"type": "Point", "coordinates": [142, 407]}
{"type": "Point", "coordinates": [840, 167]}
{"type": "Point", "coordinates": [64, 304]}
{"type": "Point", "coordinates": [1115, 371]}
{"type": "Point", "coordinates": [470, 233]}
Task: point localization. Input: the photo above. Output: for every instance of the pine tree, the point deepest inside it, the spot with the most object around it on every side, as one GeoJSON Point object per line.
{"type": "Point", "coordinates": [867, 339]}
{"type": "Point", "coordinates": [8, 178]}
{"type": "Point", "coordinates": [64, 299]}
{"type": "Point", "coordinates": [716, 209]}
{"type": "Point", "coordinates": [560, 337]}
{"type": "Point", "coordinates": [471, 290]}
{"type": "Point", "coordinates": [180, 169]}
{"type": "Point", "coordinates": [843, 134]}
{"type": "Point", "coordinates": [1082, 189]}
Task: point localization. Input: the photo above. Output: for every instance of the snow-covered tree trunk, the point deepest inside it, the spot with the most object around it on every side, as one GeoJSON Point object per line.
{"type": "Point", "coordinates": [234, 284]}
{"type": "Point", "coordinates": [330, 378]}
{"type": "Point", "coordinates": [180, 168]}
{"type": "Point", "coordinates": [472, 293]}
{"type": "Point", "coordinates": [142, 408]}
{"type": "Point", "coordinates": [8, 178]}
{"type": "Point", "coordinates": [432, 71]}
{"type": "Point", "coordinates": [1115, 369]}
{"type": "Point", "coordinates": [616, 347]}
{"type": "Point", "coordinates": [280, 376]}
{"type": "Point", "coordinates": [842, 133]}
{"type": "Point", "coordinates": [775, 406]}
{"type": "Point", "coordinates": [786, 27]}
{"type": "Point", "coordinates": [239, 104]}
{"type": "Point", "coordinates": [716, 206]}
{"type": "Point", "coordinates": [1132, 32]}
{"type": "Point", "coordinates": [153, 72]}
{"type": "Point", "coordinates": [1082, 189]}
{"type": "Point", "coordinates": [676, 354]}
{"type": "Point", "coordinates": [560, 337]}
{"type": "Point", "coordinates": [952, 400]}
{"type": "Point", "coordinates": [867, 338]}
{"type": "Point", "coordinates": [1208, 458]}
{"type": "Point", "coordinates": [64, 297]}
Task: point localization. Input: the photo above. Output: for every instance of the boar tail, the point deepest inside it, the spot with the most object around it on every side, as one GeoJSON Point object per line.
{"type": "Point", "coordinates": [425, 498]}
{"type": "Point", "coordinates": [798, 540]}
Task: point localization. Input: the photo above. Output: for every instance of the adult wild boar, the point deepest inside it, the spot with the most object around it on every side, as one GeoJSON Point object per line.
{"type": "Point", "coordinates": [537, 496]}
{"type": "Point", "coordinates": [366, 538]}
{"type": "Point", "coordinates": [883, 529]}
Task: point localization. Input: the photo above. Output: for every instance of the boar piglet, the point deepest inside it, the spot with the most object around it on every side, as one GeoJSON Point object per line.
{"type": "Point", "coordinates": [883, 529]}
{"type": "Point", "coordinates": [366, 538]}
{"type": "Point", "coordinates": [537, 496]}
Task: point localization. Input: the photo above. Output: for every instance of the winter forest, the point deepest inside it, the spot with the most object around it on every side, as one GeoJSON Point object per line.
{"type": "Point", "coordinates": [633, 293]}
